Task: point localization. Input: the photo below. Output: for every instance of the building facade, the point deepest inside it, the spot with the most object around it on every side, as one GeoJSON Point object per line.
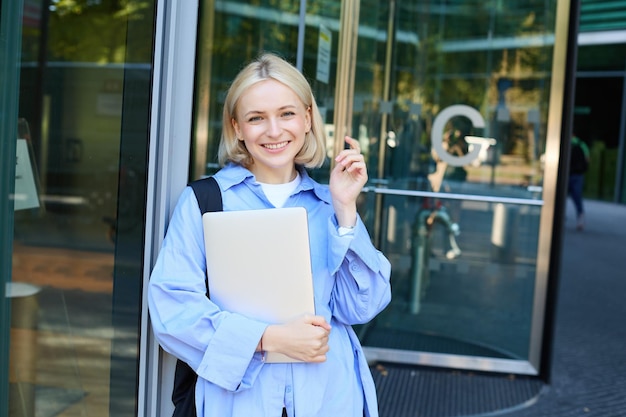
{"type": "Point", "coordinates": [463, 109]}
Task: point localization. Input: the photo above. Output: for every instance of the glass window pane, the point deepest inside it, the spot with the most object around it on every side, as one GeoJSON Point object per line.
{"type": "Point", "coordinates": [493, 58]}
{"type": "Point", "coordinates": [452, 98]}
{"type": "Point", "coordinates": [238, 35]}
{"type": "Point", "coordinates": [463, 276]}
{"type": "Point", "coordinates": [231, 34]}
{"type": "Point", "coordinates": [75, 288]}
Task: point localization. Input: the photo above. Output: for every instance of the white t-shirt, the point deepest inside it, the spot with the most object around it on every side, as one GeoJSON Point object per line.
{"type": "Point", "coordinates": [279, 193]}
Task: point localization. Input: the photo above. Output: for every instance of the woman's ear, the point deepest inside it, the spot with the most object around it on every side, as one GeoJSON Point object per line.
{"type": "Point", "coordinates": [235, 125]}
{"type": "Point", "coordinates": [308, 117]}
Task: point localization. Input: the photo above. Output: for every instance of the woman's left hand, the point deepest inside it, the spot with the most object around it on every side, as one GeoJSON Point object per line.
{"type": "Point", "coordinates": [346, 182]}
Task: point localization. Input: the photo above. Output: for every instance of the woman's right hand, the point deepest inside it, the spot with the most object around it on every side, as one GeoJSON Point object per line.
{"type": "Point", "coordinates": [305, 338]}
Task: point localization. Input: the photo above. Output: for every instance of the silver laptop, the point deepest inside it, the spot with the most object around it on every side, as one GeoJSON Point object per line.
{"type": "Point", "coordinates": [259, 264]}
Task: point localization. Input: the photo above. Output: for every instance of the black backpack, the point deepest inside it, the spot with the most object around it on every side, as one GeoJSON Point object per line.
{"type": "Point", "coordinates": [578, 160]}
{"type": "Point", "coordinates": [183, 395]}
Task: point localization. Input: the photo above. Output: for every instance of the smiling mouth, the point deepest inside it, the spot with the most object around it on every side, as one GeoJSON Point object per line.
{"type": "Point", "coordinates": [276, 145]}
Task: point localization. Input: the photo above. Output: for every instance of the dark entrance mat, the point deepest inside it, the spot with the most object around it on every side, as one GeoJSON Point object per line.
{"type": "Point", "coordinates": [412, 391]}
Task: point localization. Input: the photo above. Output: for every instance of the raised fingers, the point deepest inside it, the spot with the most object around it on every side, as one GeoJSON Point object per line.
{"type": "Point", "coordinates": [349, 156]}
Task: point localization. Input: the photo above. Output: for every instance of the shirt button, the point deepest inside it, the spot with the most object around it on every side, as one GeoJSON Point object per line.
{"type": "Point", "coordinates": [288, 389]}
{"type": "Point", "coordinates": [355, 268]}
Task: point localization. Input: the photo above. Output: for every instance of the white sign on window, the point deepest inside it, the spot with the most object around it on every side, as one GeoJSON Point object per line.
{"type": "Point", "coordinates": [323, 55]}
{"type": "Point", "coordinates": [25, 196]}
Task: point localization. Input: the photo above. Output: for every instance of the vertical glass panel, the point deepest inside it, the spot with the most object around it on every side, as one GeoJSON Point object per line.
{"type": "Point", "coordinates": [320, 67]}
{"type": "Point", "coordinates": [82, 142]}
{"type": "Point", "coordinates": [231, 33]}
{"type": "Point", "coordinates": [452, 98]}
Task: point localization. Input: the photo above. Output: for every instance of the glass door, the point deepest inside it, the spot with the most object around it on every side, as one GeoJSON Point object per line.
{"type": "Point", "coordinates": [452, 100]}
{"type": "Point", "coordinates": [74, 234]}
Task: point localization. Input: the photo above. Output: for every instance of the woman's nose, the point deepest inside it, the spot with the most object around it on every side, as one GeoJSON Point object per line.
{"type": "Point", "coordinates": [273, 127]}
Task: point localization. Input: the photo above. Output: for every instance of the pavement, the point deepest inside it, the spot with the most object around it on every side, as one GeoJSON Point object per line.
{"type": "Point", "coordinates": [588, 368]}
{"type": "Point", "coordinates": [589, 363]}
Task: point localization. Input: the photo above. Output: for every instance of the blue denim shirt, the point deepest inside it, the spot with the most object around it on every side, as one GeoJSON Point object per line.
{"type": "Point", "coordinates": [351, 285]}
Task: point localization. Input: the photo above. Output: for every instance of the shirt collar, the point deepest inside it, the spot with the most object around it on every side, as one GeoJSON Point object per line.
{"type": "Point", "coordinates": [233, 174]}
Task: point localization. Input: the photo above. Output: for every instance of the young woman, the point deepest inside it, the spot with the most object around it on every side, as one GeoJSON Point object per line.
{"type": "Point", "coordinates": [272, 131]}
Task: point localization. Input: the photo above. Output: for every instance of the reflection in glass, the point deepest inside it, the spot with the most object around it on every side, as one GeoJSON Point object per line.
{"type": "Point", "coordinates": [463, 116]}
{"type": "Point", "coordinates": [230, 35]}
{"type": "Point", "coordinates": [459, 287]}
{"type": "Point", "coordinates": [496, 60]}
{"type": "Point", "coordinates": [76, 278]}
{"type": "Point", "coordinates": [240, 34]}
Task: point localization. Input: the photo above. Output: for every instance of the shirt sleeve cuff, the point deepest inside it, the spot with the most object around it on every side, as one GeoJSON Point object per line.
{"type": "Point", "coordinates": [345, 231]}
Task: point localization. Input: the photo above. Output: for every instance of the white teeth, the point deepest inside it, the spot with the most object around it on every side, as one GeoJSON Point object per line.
{"type": "Point", "coordinates": [275, 145]}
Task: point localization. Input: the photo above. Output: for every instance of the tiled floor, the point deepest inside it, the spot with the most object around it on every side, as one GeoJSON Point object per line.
{"type": "Point", "coordinates": [64, 362]}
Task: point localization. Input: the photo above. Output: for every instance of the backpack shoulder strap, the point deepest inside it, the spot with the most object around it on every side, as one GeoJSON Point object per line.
{"type": "Point", "coordinates": [209, 198]}
{"type": "Point", "coordinates": [208, 194]}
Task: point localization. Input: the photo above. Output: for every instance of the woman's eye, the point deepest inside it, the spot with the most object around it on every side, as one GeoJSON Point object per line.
{"type": "Point", "coordinates": [254, 119]}
{"type": "Point", "coordinates": [288, 114]}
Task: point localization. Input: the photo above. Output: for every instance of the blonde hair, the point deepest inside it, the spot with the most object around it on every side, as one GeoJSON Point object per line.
{"type": "Point", "coordinates": [269, 66]}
